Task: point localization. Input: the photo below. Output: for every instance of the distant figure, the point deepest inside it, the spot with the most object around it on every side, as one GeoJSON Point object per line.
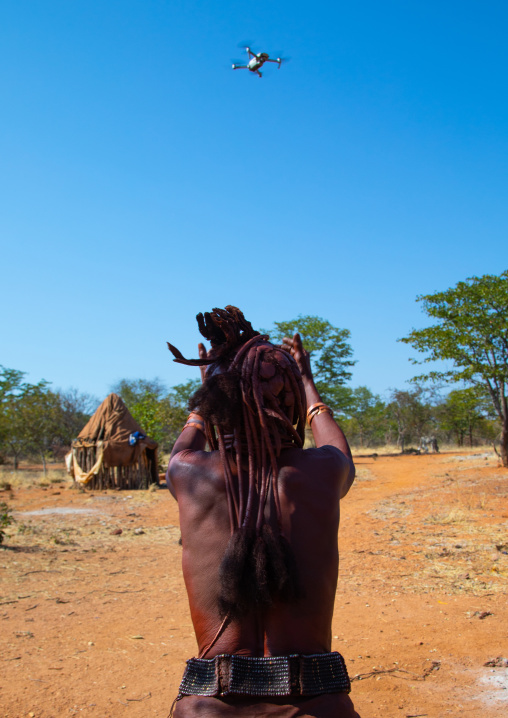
{"type": "Point", "coordinates": [429, 442]}
{"type": "Point", "coordinates": [259, 518]}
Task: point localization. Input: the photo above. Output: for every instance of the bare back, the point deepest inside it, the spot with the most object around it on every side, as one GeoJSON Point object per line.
{"type": "Point", "coordinates": [311, 483]}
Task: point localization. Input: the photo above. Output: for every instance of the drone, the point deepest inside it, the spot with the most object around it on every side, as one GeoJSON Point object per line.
{"type": "Point", "coordinates": [256, 61]}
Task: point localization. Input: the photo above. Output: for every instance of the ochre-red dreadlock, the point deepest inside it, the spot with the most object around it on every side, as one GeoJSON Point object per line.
{"type": "Point", "coordinates": [253, 404]}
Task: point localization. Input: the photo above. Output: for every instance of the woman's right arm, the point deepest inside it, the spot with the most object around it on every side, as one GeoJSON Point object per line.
{"type": "Point", "coordinates": [325, 429]}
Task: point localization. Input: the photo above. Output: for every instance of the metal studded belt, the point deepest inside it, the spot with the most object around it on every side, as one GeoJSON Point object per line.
{"type": "Point", "coordinates": [293, 675]}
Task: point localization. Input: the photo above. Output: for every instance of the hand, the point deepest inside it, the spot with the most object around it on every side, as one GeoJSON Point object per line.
{"type": "Point", "coordinates": [299, 354]}
{"type": "Point", "coordinates": [202, 355]}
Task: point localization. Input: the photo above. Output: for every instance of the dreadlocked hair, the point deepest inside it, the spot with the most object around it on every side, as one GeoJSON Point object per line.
{"type": "Point", "coordinates": [253, 404]}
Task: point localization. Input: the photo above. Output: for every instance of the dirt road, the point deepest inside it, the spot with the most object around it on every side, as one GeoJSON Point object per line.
{"type": "Point", "coordinates": [95, 622]}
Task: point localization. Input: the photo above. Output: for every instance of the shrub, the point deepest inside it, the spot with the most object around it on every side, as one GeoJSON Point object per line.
{"type": "Point", "coordinates": [5, 519]}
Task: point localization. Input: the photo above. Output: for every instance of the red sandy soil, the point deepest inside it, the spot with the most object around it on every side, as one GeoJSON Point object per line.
{"type": "Point", "coordinates": [97, 624]}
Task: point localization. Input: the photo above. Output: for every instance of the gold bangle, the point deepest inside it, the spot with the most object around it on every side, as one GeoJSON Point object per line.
{"type": "Point", "coordinates": [313, 409]}
{"type": "Point", "coordinates": [317, 409]}
{"type": "Point", "coordinates": [315, 406]}
{"type": "Point", "coordinates": [323, 410]}
{"type": "Point", "coordinates": [199, 425]}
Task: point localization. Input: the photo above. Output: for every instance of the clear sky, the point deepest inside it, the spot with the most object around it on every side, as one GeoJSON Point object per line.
{"type": "Point", "coordinates": [143, 181]}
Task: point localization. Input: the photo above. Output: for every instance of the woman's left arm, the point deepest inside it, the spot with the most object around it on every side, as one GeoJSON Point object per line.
{"type": "Point", "coordinates": [192, 436]}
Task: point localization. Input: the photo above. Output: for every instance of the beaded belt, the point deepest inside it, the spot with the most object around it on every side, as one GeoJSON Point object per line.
{"type": "Point", "coordinates": [293, 675]}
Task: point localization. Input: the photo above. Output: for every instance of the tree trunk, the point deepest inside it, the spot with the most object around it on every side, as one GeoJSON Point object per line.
{"type": "Point", "coordinates": [504, 443]}
{"type": "Point", "coordinates": [43, 464]}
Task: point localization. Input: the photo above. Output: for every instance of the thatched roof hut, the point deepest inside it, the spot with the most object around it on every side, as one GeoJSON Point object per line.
{"type": "Point", "coordinates": [113, 451]}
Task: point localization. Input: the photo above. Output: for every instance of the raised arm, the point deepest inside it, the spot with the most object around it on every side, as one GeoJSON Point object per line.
{"type": "Point", "coordinates": [325, 429]}
{"type": "Point", "coordinates": [192, 437]}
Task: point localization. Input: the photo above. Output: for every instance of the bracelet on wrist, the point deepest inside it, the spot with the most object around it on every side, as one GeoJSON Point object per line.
{"type": "Point", "coordinates": [199, 425]}
{"type": "Point", "coordinates": [316, 409]}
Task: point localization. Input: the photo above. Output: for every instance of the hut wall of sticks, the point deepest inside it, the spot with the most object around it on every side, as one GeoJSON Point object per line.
{"type": "Point", "coordinates": [112, 451]}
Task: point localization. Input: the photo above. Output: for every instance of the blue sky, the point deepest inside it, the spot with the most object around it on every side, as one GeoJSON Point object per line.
{"type": "Point", "coordinates": [143, 181]}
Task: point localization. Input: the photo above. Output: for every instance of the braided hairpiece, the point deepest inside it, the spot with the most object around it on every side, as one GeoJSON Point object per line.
{"type": "Point", "coordinates": [253, 404]}
{"type": "Point", "coordinates": [226, 330]}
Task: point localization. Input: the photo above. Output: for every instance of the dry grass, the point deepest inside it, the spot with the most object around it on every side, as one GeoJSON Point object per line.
{"type": "Point", "coordinates": [388, 449]}
{"type": "Point", "coordinates": [24, 478]}
{"type": "Point", "coordinates": [455, 515]}
{"type": "Point", "coordinates": [364, 474]}
{"type": "Point", "coordinates": [380, 450]}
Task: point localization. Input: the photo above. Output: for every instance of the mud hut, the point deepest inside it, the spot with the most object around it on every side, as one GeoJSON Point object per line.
{"type": "Point", "coordinates": [112, 451]}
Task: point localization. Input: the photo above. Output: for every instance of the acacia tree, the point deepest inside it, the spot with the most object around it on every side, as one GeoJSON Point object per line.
{"type": "Point", "coordinates": [330, 355]}
{"type": "Point", "coordinates": [29, 416]}
{"type": "Point", "coordinates": [12, 435]}
{"type": "Point", "coordinates": [148, 403]}
{"type": "Point", "coordinates": [179, 396]}
{"type": "Point", "coordinates": [76, 408]}
{"type": "Point", "coordinates": [411, 414]}
{"type": "Point", "coordinates": [471, 333]}
{"type": "Point", "coordinates": [161, 413]}
{"type": "Point", "coordinates": [462, 412]}
{"type": "Point", "coordinates": [367, 415]}
{"type": "Point", "coordinates": [41, 419]}
{"type": "Point", "coordinates": [181, 393]}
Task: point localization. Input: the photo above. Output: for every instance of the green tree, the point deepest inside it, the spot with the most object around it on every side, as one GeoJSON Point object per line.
{"type": "Point", "coordinates": [462, 412]}
{"type": "Point", "coordinates": [16, 399]}
{"type": "Point", "coordinates": [330, 355]}
{"type": "Point", "coordinates": [472, 334]}
{"type": "Point", "coordinates": [6, 519]}
{"type": "Point", "coordinates": [41, 418]}
{"type": "Point", "coordinates": [411, 414]}
{"type": "Point", "coordinates": [11, 388]}
{"type": "Point", "coordinates": [148, 402]}
{"type": "Point", "coordinates": [161, 413]}
{"type": "Point", "coordinates": [179, 396]}
{"type": "Point", "coordinates": [181, 393]}
{"type": "Point", "coordinates": [76, 408]}
{"type": "Point", "coordinates": [367, 416]}
{"type": "Point", "coordinates": [133, 391]}
{"type": "Point", "coordinates": [30, 416]}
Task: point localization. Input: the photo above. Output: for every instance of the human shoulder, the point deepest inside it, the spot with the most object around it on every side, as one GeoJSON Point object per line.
{"type": "Point", "coordinates": [327, 453]}
{"type": "Point", "coordinates": [188, 461]}
{"type": "Point", "coordinates": [186, 467]}
{"type": "Point", "coordinates": [330, 461]}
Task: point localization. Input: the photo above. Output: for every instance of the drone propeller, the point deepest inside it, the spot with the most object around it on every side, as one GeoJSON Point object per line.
{"type": "Point", "coordinates": [245, 45]}
{"type": "Point", "coordinates": [280, 59]}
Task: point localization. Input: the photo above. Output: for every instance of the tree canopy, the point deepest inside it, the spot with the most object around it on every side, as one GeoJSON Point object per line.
{"type": "Point", "coordinates": [330, 355]}
{"type": "Point", "coordinates": [463, 411]}
{"type": "Point", "coordinates": [472, 334]}
{"type": "Point", "coordinates": [411, 414]}
{"type": "Point", "coordinates": [159, 411]}
{"type": "Point", "coordinates": [34, 420]}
